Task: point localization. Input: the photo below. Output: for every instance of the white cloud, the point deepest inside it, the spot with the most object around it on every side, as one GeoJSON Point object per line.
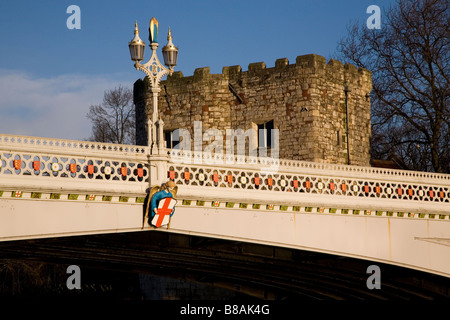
{"type": "Point", "coordinates": [54, 107]}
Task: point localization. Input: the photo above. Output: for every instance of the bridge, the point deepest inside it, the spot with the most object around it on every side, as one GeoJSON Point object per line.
{"type": "Point", "coordinates": [62, 189]}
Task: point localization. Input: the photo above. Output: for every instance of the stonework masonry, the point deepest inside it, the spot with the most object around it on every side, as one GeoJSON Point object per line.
{"type": "Point", "coordinates": [305, 101]}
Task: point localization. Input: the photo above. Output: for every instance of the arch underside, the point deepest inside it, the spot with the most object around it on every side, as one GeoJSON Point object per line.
{"type": "Point", "coordinates": [257, 270]}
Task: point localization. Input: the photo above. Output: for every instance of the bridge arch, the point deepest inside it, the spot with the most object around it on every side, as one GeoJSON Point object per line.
{"type": "Point", "coordinates": [256, 270]}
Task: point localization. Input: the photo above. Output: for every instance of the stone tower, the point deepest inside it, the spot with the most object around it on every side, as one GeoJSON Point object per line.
{"type": "Point", "coordinates": [306, 101]}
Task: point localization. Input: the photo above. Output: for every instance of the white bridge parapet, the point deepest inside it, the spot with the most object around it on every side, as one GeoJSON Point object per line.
{"type": "Point", "coordinates": [32, 164]}
{"type": "Point", "coordinates": [67, 167]}
{"type": "Point", "coordinates": [316, 186]}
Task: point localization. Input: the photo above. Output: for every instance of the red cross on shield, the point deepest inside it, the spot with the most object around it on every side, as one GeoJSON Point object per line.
{"type": "Point", "coordinates": [163, 212]}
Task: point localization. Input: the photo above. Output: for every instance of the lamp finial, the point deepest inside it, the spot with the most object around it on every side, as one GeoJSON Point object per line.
{"type": "Point", "coordinates": [154, 25]}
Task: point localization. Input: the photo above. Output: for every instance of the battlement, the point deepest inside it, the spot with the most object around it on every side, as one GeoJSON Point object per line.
{"type": "Point", "coordinates": [310, 63]}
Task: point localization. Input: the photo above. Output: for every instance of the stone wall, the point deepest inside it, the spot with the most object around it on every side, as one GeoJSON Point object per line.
{"type": "Point", "coordinates": [306, 101]}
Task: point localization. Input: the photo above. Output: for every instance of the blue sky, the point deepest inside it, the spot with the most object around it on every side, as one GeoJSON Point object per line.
{"type": "Point", "coordinates": [50, 75]}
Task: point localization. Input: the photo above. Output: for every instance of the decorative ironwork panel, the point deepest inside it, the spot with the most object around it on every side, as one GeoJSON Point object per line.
{"type": "Point", "coordinates": [71, 167]}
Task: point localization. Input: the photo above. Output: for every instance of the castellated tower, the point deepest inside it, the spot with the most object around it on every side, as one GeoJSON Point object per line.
{"type": "Point", "coordinates": [306, 101]}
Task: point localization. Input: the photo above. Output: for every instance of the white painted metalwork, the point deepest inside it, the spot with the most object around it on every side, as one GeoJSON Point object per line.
{"type": "Point", "coordinates": [155, 71]}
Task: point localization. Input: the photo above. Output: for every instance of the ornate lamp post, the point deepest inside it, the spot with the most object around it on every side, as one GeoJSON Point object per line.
{"type": "Point", "coordinates": [155, 71]}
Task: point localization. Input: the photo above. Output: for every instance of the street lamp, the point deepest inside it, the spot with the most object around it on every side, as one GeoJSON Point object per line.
{"type": "Point", "coordinates": [137, 46]}
{"type": "Point", "coordinates": [155, 71]}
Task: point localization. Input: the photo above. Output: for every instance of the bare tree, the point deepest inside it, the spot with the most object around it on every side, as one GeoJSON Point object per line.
{"type": "Point", "coordinates": [114, 120]}
{"type": "Point", "coordinates": [410, 59]}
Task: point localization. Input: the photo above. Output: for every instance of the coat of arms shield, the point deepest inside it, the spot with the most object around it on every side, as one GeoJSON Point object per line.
{"type": "Point", "coordinates": [162, 215]}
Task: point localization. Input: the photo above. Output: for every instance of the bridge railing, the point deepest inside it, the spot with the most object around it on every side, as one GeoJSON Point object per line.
{"type": "Point", "coordinates": [45, 164]}
{"type": "Point", "coordinates": [42, 164]}
{"type": "Point", "coordinates": [293, 183]}
{"type": "Point", "coordinates": [70, 147]}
